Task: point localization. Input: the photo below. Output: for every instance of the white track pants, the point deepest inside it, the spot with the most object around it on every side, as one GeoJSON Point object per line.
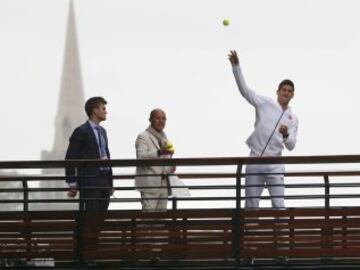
{"type": "Point", "coordinates": [271, 174]}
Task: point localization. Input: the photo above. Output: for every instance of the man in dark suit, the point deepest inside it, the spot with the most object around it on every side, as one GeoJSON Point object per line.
{"type": "Point", "coordinates": [89, 141]}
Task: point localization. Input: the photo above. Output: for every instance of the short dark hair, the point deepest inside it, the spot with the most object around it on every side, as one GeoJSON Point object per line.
{"type": "Point", "coordinates": [286, 82]}
{"type": "Point", "coordinates": [93, 103]}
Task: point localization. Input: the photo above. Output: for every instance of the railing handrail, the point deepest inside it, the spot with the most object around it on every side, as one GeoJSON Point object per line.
{"type": "Point", "coordinates": [31, 198]}
{"type": "Point", "coordinates": [209, 161]}
{"type": "Point", "coordinates": [236, 163]}
{"type": "Point", "coordinates": [30, 177]}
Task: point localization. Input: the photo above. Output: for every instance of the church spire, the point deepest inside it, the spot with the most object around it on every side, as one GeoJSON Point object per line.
{"type": "Point", "coordinates": [70, 112]}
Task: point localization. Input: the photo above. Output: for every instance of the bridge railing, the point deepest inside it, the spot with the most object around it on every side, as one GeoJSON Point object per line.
{"type": "Point", "coordinates": [217, 226]}
{"type": "Point", "coordinates": [213, 182]}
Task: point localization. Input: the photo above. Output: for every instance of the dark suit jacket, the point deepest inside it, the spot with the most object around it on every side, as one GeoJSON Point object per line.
{"type": "Point", "coordinates": [83, 145]}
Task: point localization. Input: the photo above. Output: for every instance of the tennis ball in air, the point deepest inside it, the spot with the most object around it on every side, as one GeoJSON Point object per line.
{"type": "Point", "coordinates": [226, 22]}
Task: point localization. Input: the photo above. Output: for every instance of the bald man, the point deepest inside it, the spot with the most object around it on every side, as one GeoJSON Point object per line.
{"type": "Point", "coordinates": [150, 144]}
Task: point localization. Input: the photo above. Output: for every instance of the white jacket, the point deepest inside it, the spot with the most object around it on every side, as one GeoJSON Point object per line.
{"type": "Point", "coordinates": [146, 148]}
{"type": "Point", "coordinates": [268, 113]}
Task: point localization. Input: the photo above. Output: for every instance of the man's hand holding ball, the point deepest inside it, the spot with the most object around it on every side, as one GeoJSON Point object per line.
{"type": "Point", "coordinates": [166, 149]}
{"type": "Point", "coordinates": [284, 131]}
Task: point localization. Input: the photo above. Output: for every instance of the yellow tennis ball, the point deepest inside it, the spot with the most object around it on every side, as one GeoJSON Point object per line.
{"type": "Point", "coordinates": [226, 22]}
{"type": "Point", "coordinates": [168, 145]}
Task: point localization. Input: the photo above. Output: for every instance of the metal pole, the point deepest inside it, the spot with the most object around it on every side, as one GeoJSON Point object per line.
{"type": "Point", "coordinates": [27, 220]}
{"type": "Point", "coordinates": [81, 195]}
{"type": "Point", "coordinates": [175, 230]}
{"type": "Point", "coordinates": [327, 191]}
{"type": "Point", "coordinates": [79, 233]}
{"type": "Point", "coordinates": [174, 203]}
{"type": "Point", "coordinates": [237, 219]}
{"type": "Point", "coordinates": [327, 231]}
{"type": "Point", "coordinates": [26, 196]}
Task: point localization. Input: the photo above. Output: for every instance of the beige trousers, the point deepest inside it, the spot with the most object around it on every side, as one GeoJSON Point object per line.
{"type": "Point", "coordinates": [156, 201]}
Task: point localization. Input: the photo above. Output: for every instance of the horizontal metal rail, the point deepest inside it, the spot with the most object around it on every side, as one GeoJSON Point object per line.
{"type": "Point", "coordinates": [15, 185]}
{"type": "Point", "coordinates": [213, 161]}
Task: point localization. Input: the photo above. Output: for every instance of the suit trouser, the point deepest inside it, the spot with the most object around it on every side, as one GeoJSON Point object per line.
{"type": "Point", "coordinates": [97, 199]}
{"type": "Point", "coordinates": [270, 175]}
{"type": "Point", "coordinates": [156, 200]}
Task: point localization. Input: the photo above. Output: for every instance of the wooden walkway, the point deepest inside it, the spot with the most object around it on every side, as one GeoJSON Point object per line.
{"type": "Point", "coordinates": [193, 237]}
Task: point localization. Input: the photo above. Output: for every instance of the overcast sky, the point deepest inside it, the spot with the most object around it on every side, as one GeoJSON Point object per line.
{"type": "Point", "coordinates": [173, 54]}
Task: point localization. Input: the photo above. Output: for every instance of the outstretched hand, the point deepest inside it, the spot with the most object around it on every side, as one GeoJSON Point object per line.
{"type": "Point", "coordinates": [233, 57]}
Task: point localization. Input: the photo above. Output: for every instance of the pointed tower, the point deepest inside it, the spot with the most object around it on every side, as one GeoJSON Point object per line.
{"type": "Point", "coordinates": [70, 113]}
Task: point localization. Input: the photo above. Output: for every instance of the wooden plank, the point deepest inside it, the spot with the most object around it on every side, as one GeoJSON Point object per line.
{"type": "Point", "coordinates": [313, 224]}
{"type": "Point", "coordinates": [301, 253]}
{"type": "Point", "coordinates": [296, 238]}
{"type": "Point", "coordinates": [45, 235]}
{"type": "Point", "coordinates": [153, 239]}
{"type": "Point", "coordinates": [36, 248]}
{"type": "Point", "coordinates": [279, 222]}
{"type": "Point", "coordinates": [297, 212]}
{"type": "Point", "coordinates": [280, 244]}
{"type": "Point", "coordinates": [163, 221]}
{"type": "Point", "coordinates": [186, 234]}
{"type": "Point", "coordinates": [35, 226]}
{"type": "Point", "coordinates": [180, 214]}
{"type": "Point", "coordinates": [140, 233]}
{"type": "Point", "coordinates": [60, 255]}
{"type": "Point", "coordinates": [173, 251]}
{"type": "Point", "coordinates": [38, 215]}
{"type": "Point", "coordinates": [193, 227]}
{"type": "Point", "coordinates": [36, 241]}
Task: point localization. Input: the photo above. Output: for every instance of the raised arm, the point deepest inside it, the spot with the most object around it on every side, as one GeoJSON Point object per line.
{"type": "Point", "coordinates": [245, 91]}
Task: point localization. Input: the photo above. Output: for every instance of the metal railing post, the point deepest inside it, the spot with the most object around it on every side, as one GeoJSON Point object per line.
{"type": "Point", "coordinates": [79, 233]}
{"type": "Point", "coordinates": [173, 228]}
{"type": "Point", "coordinates": [327, 231]}
{"type": "Point", "coordinates": [81, 195]}
{"type": "Point", "coordinates": [27, 220]}
{"type": "Point", "coordinates": [25, 196]}
{"type": "Point", "coordinates": [174, 203]}
{"type": "Point", "coordinates": [327, 191]}
{"type": "Point", "coordinates": [237, 214]}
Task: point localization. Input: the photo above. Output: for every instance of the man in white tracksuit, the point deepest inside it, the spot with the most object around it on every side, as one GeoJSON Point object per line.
{"type": "Point", "coordinates": [275, 126]}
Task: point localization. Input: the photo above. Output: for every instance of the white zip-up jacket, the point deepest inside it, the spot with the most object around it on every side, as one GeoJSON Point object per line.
{"type": "Point", "coordinates": [267, 124]}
